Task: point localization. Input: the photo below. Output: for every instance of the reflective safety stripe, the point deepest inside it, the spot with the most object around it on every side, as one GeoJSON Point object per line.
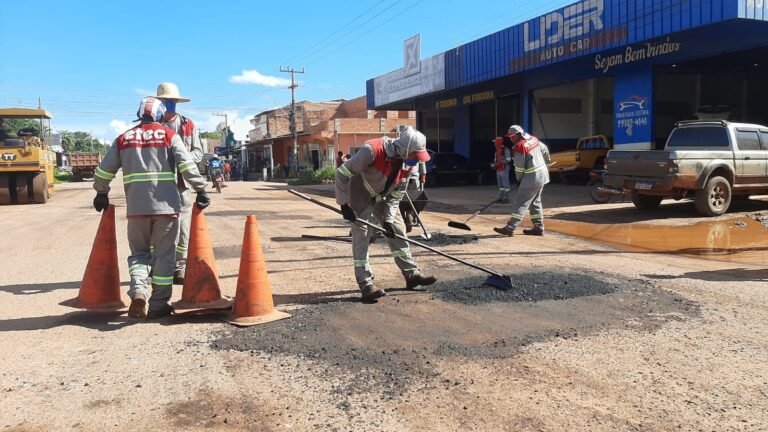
{"type": "Point", "coordinates": [535, 216]}
{"type": "Point", "coordinates": [398, 194]}
{"type": "Point", "coordinates": [184, 167]}
{"type": "Point", "coordinates": [517, 216]}
{"type": "Point", "coordinates": [181, 249]}
{"type": "Point", "coordinates": [370, 189]}
{"type": "Point", "coordinates": [135, 267]}
{"type": "Point", "coordinates": [162, 280]}
{"type": "Point", "coordinates": [361, 263]}
{"type": "Point", "coordinates": [504, 189]}
{"type": "Point", "coordinates": [519, 169]}
{"type": "Point", "coordinates": [149, 177]}
{"type": "Point", "coordinates": [534, 169]}
{"type": "Point", "coordinates": [104, 175]}
{"type": "Point", "coordinates": [345, 171]}
{"type": "Point", "coordinates": [402, 253]}
{"type": "Point", "coordinates": [151, 248]}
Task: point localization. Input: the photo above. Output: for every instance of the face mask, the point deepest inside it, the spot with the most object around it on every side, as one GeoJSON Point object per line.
{"type": "Point", "coordinates": [170, 106]}
{"type": "Point", "coordinates": [411, 162]}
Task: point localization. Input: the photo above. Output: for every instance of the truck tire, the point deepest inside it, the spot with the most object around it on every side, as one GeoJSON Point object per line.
{"type": "Point", "coordinates": [645, 202]}
{"type": "Point", "coordinates": [715, 198]}
{"type": "Point", "coordinates": [23, 187]}
{"type": "Point", "coordinates": [5, 190]}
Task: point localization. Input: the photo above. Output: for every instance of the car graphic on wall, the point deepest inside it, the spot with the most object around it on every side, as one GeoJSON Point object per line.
{"type": "Point", "coordinates": [636, 102]}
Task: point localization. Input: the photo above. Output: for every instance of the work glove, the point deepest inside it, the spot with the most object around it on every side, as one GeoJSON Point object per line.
{"type": "Point", "coordinates": [389, 229]}
{"type": "Point", "coordinates": [348, 213]}
{"type": "Point", "coordinates": [101, 202]}
{"type": "Point", "coordinates": [202, 200]}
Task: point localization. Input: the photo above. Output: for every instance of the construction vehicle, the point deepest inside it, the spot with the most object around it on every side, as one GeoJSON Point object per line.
{"type": "Point", "coordinates": [84, 164]}
{"type": "Point", "coordinates": [26, 161]}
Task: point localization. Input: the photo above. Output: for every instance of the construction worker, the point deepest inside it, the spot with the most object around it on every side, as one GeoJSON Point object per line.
{"type": "Point", "coordinates": [168, 93]}
{"type": "Point", "coordinates": [369, 186]}
{"type": "Point", "coordinates": [502, 159]}
{"type": "Point", "coordinates": [150, 155]}
{"type": "Point", "coordinates": [531, 160]}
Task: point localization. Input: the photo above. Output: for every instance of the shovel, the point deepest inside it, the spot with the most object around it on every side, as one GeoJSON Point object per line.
{"type": "Point", "coordinates": [496, 280]}
{"type": "Point", "coordinates": [464, 226]}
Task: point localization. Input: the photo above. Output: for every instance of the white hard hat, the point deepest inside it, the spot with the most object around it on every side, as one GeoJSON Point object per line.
{"type": "Point", "coordinates": [169, 90]}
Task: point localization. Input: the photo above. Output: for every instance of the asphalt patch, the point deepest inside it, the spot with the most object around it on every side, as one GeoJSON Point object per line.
{"type": "Point", "coordinates": [440, 239]}
{"type": "Point", "coordinates": [377, 351]}
{"type": "Point", "coordinates": [530, 287]}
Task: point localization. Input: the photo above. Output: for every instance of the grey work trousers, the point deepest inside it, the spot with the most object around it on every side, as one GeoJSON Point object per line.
{"type": "Point", "coordinates": [361, 237]}
{"type": "Point", "coordinates": [502, 179]}
{"type": "Point", "coordinates": [152, 240]}
{"type": "Point", "coordinates": [527, 199]}
{"type": "Point", "coordinates": [185, 220]}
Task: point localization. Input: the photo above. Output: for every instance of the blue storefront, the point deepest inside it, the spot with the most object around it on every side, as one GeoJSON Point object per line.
{"type": "Point", "coordinates": [626, 69]}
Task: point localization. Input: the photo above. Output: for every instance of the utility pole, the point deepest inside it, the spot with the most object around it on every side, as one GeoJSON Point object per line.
{"type": "Point", "coordinates": [225, 133]}
{"type": "Point", "coordinates": [292, 116]}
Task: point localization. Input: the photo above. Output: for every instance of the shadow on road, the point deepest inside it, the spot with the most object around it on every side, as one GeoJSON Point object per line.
{"type": "Point", "coordinates": [92, 320]}
{"type": "Point", "coordinates": [42, 288]}
{"type": "Point", "coordinates": [727, 275]}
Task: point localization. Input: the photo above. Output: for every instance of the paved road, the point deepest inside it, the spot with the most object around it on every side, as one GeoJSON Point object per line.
{"type": "Point", "coordinates": [591, 338]}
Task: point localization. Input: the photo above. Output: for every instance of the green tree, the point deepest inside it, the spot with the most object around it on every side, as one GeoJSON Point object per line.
{"type": "Point", "coordinates": [212, 135]}
{"type": "Point", "coordinates": [77, 141]}
{"type": "Point", "coordinates": [12, 126]}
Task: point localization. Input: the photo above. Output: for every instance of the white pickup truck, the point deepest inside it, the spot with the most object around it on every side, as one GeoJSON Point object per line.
{"type": "Point", "coordinates": [710, 161]}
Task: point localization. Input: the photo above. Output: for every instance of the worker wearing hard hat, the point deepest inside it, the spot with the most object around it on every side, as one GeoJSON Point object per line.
{"type": "Point", "coordinates": [370, 186]}
{"type": "Point", "coordinates": [531, 159]}
{"type": "Point", "coordinates": [169, 93]}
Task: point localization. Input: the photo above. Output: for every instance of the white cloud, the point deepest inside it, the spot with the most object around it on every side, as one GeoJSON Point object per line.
{"type": "Point", "coordinates": [143, 92]}
{"type": "Point", "coordinates": [254, 77]}
{"type": "Point", "coordinates": [117, 127]}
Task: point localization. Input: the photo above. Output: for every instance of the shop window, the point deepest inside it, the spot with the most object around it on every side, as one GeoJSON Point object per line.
{"type": "Point", "coordinates": [559, 105]}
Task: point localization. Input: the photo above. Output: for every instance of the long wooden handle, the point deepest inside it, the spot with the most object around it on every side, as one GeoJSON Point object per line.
{"type": "Point", "coordinates": [405, 239]}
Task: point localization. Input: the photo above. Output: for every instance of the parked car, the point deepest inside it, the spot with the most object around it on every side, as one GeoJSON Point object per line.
{"type": "Point", "coordinates": [711, 161]}
{"type": "Point", "coordinates": [446, 168]}
{"type": "Point", "coordinates": [574, 165]}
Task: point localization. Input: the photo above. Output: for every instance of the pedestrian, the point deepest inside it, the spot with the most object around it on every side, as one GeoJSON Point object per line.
{"type": "Point", "coordinates": [151, 155]}
{"type": "Point", "coordinates": [369, 186]}
{"type": "Point", "coordinates": [227, 170]}
{"type": "Point", "coordinates": [531, 160]}
{"type": "Point", "coordinates": [168, 93]}
{"type": "Point", "coordinates": [502, 159]}
{"type": "Point", "coordinates": [339, 159]}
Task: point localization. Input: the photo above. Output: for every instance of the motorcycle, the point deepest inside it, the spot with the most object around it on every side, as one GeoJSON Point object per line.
{"type": "Point", "coordinates": [602, 193]}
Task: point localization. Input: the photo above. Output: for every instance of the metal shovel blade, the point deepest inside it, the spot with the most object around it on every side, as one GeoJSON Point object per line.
{"type": "Point", "coordinates": [459, 225]}
{"type": "Point", "coordinates": [501, 282]}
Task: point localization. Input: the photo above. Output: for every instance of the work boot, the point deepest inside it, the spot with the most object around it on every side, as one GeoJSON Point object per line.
{"type": "Point", "coordinates": [506, 230]}
{"type": "Point", "coordinates": [418, 279]}
{"type": "Point", "coordinates": [178, 277]}
{"type": "Point", "coordinates": [535, 231]}
{"type": "Point", "coordinates": [370, 292]}
{"type": "Point", "coordinates": [138, 307]}
{"type": "Point", "coordinates": [160, 312]}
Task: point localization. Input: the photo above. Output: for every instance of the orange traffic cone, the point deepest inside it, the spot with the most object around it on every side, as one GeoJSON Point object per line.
{"type": "Point", "coordinates": [253, 300]}
{"type": "Point", "coordinates": [201, 291]}
{"type": "Point", "coordinates": [100, 289]}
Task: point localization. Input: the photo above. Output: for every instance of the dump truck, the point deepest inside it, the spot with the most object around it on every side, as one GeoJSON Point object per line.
{"type": "Point", "coordinates": [84, 164]}
{"type": "Point", "coordinates": [26, 161]}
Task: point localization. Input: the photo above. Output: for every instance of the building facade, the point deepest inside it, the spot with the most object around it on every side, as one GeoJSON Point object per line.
{"type": "Point", "coordinates": [323, 129]}
{"type": "Point", "coordinates": [626, 69]}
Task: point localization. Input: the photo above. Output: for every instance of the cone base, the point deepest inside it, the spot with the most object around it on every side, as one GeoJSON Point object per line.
{"type": "Point", "coordinates": [106, 307]}
{"type": "Point", "coordinates": [275, 315]}
{"type": "Point", "coordinates": [184, 307]}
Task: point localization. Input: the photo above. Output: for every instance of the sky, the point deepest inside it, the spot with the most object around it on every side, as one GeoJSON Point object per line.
{"type": "Point", "coordinates": [89, 62]}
